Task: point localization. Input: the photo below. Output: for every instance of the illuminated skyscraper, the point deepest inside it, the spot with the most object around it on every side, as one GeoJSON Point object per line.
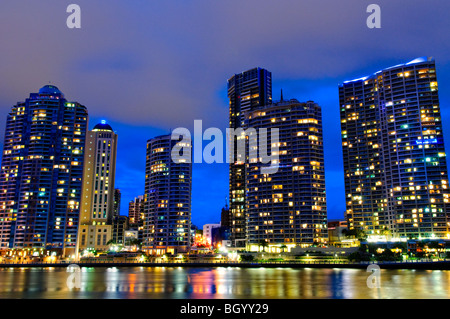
{"type": "Point", "coordinates": [41, 174]}
{"type": "Point", "coordinates": [246, 91]}
{"type": "Point", "coordinates": [167, 209]}
{"type": "Point", "coordinates": [98, 199]}
{"type": "Point", "coordinates": [396, 179]}
{"type": "Point", "coordinates": [288, 207]}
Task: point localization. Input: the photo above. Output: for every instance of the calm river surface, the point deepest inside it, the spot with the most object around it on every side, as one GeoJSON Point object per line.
{"type": "Point", "coordinates": [206, 283]}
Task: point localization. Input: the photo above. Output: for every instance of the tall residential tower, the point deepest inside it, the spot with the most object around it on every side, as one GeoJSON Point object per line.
{"type": "Point", "coordinates": [98, 200]}
{"type": "Point", "coordinates": [396, 179]}
{"type": "Point", "coordinates": [246, 91]}
{"type": "Point", "coordinates": [287, 208]}
{"type": "Point", "coordinates": [167, 209]}
{"type": "Point", "coordinates": [41, 173]}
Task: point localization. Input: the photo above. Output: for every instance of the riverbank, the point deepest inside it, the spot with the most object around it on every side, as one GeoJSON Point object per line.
{"type": "Point", "coordinates": [423, 265]}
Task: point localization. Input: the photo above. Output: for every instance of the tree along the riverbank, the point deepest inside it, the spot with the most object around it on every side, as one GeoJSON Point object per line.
{"type": "Point", "coordinates": [371, 253]}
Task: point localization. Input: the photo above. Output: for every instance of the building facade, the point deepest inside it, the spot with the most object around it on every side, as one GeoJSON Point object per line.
{"type": "Point", "coordinates": [167, 209]}
{"type": "Point", "coordinates": [136, 215]}
{"type": "Point", "coordinates": [396, 179]}
{"type": "Point", "coordinates": [119, 227]}
{"type": "Point", "coordinates": [337, 234]}
{"type": "Point", "coordinates": [225, 216]}
{"type": "Point", "coordinates": [136, 210]}
{"type": "Point", "coordinates": [41, 173]}
{"type": "Point", "coordinates": [117, 201]}
{"type": "Point", "coordinates": [288, 207]}
{"type": "Point", "coordinates": [98, 194]}
{"type": "Point", "coordinates": [246, 91]}
{"type": "Point", "coordinates": [220, 237]}
{"type": "Point", "coordinates": [207, 232]}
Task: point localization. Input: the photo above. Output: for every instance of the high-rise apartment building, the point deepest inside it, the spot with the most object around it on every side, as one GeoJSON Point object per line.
{"type": "Point", "coordinates": [288, 207]}
{"type": "Point", "coordinates": [396, 179]}
{"type": "Point", "coordinates": [207, 232]}
{"type": "Point", "coordinates": [167, 221]}
{"type": "Point", "coordinates": [41, 173]}
{"type": "Point", "coordinates": [98, 196]}
{"type": "Point", "coordinates": [246, 91]}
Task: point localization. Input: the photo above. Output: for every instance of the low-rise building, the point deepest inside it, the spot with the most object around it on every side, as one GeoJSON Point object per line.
{"type": "Point", "coordinates": [207, 232]}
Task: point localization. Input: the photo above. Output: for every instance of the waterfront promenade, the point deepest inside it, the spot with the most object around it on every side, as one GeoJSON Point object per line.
{"type": "Point", "coordinates": [427, 264]}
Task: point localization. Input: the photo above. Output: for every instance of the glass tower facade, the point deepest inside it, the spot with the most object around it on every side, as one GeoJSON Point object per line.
{"type": "Point", "coordinates": [41, 173]}
{"type": "Point", "coordinates": [288, 208]}
{"type": "Point", "coordinates": [246, 91]}
{"type": "Point", "coordinates": [167, 208]}
{"type": "Point", "coordinates": [396, 179]}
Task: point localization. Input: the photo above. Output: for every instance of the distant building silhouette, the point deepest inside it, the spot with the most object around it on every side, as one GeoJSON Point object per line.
{"type": "Point", "coordinates": [136, 215]}
{"type": "Point", "coordinates": [99, 199]}
{"type": "Point", "coordinates": [225, 219]}
{"type": "Point", "coordinates": [117, 202]}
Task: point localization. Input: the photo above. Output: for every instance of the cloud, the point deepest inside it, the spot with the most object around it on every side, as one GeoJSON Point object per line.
{"type": "Point", "coordinates": [141, 59]}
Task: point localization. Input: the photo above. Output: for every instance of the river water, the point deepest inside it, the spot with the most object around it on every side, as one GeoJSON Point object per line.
{"type": "Point", "coordinates": [226, 283]}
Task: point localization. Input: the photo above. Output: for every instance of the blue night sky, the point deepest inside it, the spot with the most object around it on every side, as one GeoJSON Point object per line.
{"type": "Point", "coordinates": [149, 66]}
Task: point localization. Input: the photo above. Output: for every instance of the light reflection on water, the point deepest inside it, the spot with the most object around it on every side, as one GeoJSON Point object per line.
{"type": "Point", "coordinates": [189, 283]}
